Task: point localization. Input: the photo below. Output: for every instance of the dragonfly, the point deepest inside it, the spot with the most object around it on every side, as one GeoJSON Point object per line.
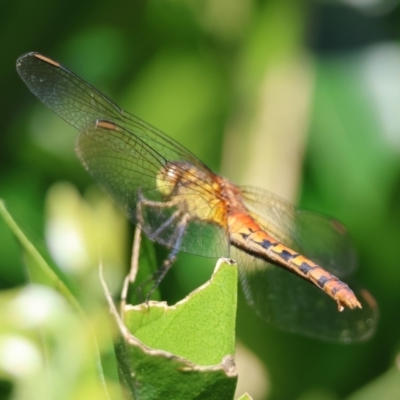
{"type": "Point", "coordinates": [292, 262]}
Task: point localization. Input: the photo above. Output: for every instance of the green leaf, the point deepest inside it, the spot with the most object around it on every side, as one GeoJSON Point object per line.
{"type": "Point", "coordinates": [185, 350]}
{"type": "Point", "coordinates": [39, 271]}
{"type": "Point", "coordinates": [198, 328]}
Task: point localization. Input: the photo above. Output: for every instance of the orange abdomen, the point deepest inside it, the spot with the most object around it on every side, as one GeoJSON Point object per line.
{"type": "Point", "coordinates": [247, 235]}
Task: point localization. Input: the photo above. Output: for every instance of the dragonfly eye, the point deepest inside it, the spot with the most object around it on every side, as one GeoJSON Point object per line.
{"type": "Point", "coordinates": [167, 179]}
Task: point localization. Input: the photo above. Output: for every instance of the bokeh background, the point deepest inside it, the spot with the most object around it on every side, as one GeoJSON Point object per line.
{"type": "Point", "coordinates": [300, 98]}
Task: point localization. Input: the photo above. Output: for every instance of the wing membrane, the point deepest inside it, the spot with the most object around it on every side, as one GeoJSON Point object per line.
{"type": "Point", "coordinates": [124, 154]}
{"type": "Point", "coordinates": [80, 104]}
{"type": "Point", "coordinates": [293, 304]}
{"type": "Point", "coordinates": [322, 239]}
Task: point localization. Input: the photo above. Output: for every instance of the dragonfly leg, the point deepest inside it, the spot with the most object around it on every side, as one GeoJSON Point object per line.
{"type": "Point", "coordinates": [167, 264]}
{"type": "Point", "coordinates": [165, 224]}
{"type": "Point", "coordinates": [142, 201]}
{"type": "Point", "coordinates": [153, 203]}
{"type": "Point", "coordinates": [131, 277]}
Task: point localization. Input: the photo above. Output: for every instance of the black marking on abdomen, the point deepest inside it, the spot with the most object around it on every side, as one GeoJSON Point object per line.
{"type": "Point", "coordinates": [305, 268]}
{"type": "Point", "coordinates": [266, 244]}
{"type": "Point", "coordinates": [287, 256]}
{"type": "Point", "coordinates": [323, 280]}
{"type": "Point", "coordinates": [244, 235]}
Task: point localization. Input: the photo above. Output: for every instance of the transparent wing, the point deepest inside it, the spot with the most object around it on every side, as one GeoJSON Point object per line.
{"type": "Point", "coordinates": [124, 155]}
{"type": "Point", "coordinates": [320, 238]}
{"type": "Point", "coordinates": [293, 304]}
{"type": "Point", "coordinates": [289, 302]}
{"type": "Point", "coordinates": [80, 104]}
{"type": "Point", "coordinates": [125, 165]}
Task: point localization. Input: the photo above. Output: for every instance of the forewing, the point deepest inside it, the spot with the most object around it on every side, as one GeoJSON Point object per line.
{"type": "Point", "coordinates": [124, 154]}
{"type": "Point", "coordinates": [295, 305]}
{"type": "Point", "coordinates": [80, 104]}
{"type": "Point", "coordinates": [324, 240]}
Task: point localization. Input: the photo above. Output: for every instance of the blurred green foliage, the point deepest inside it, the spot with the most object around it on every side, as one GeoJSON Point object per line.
{"type": "Point", "coordinates": [300, 98]}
